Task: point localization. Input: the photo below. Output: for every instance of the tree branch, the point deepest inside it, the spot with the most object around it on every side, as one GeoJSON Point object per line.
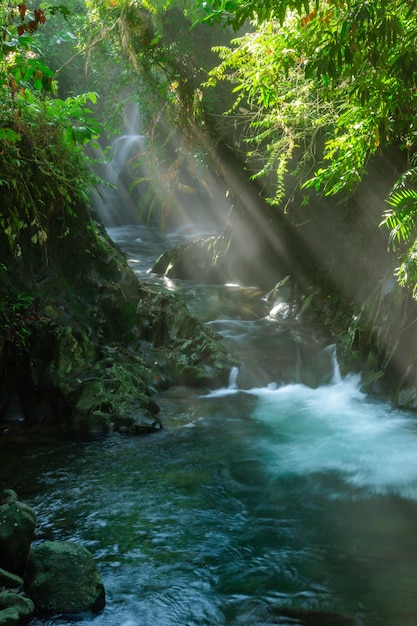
{"type": "Point", "coordinates": [84, 50]}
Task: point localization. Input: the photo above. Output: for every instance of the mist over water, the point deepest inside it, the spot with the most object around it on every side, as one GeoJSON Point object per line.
{"type": "Point", "coordinates": [277, 503]}
{"type": "Point", "coordinates": [250, 505]}
{"type": "Point", "coordinates": [336, 429]}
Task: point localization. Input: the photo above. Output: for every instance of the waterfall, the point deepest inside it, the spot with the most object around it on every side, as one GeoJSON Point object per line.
{"type": "Point", "coordinates": [233, 378]}
{"type": "Point", "coordinates": [125, 148]}
{"type": "Point", "coordinates": [315, 366]}
{"type": "Point", "coordinates": [118, 201]}
{"type": "Point", "coordinates": [336, 377]}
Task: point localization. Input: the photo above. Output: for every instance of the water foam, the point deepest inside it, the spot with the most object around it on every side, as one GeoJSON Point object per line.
{"type": "Point", "coordinates": [338, 429]}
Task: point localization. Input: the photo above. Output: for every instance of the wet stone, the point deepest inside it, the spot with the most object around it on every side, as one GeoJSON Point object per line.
{"type": "Point", "coordinates": [61, 577]}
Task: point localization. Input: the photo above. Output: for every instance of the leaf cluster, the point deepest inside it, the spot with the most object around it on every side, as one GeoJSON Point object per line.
{"type": "Point", "coordinates": [42, 166]}
{"type": "Point", "coordinates": [342, 70]}
{"type": "Point", "coordinates": [401, 220]}
{"type": "Point", "coordinates": [17, 312]}
{"type": "Point", "coordinates": [235, 13]}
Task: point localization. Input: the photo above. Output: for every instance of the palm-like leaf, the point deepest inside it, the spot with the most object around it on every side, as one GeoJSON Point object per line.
{"type": "Point", "coordinates": [401, 218]}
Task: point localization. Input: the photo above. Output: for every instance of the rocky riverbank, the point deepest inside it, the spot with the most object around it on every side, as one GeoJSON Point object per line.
{"type": "Point", "coordinates": [333, 268]}
{"type": "Point", "coordinates": [85, 346]}
{"type": "Point", "coordinates": [44, 578]}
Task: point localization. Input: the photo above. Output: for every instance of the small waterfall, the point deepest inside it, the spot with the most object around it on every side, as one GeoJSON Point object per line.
{"type": "Point", "coordinates": [336, 377]}
{"type": "Point", "coordinates": [119, 202]}
{"type": "Point", "coordinates": [231, 389]}
{"type": "Point", "coordinates": [233, 378]}
{"type": "Point", "coordinates": [125, 148]}
{"type": "Point", "coordinates": [316, 366]}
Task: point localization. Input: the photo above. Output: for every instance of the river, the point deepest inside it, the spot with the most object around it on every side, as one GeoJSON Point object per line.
{"type": "Point", "coordinates": [276, 503]}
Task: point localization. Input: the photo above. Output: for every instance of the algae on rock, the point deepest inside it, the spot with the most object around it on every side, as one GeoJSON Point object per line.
{"type": "Point", "coordinates": [84, 345]}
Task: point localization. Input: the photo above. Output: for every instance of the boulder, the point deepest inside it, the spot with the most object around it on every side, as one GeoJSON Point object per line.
{"type": "Point", "coordinates": [9, 617]}
{"type": "Point", "coordinates": [18, 602]}
{"type": "Point", "coordinates": [201, 259]}
{"type": "Point", "coordinates": [17, 528]}
{"type": "Point", "coordinates": [62, 577]}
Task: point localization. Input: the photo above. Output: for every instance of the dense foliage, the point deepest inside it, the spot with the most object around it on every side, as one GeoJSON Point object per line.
{"type": "Point", "coordinates": [321, 87]}
{"type": "Point", "coordinates": [167, 62]}
{"type": "Point", "coordinates": [41, 136]}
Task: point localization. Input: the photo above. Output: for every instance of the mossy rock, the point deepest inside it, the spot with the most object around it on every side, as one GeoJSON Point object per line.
{"type": "Point", "coordinates": [62, 577]}
{"type": "Point", "coordinates": [24, 606]}
{"type": "Point", "coordinates": [17, 528]}
{"type": "Point", "coordinates": [101, 344]}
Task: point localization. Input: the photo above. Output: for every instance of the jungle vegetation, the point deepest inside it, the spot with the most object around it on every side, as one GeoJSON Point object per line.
{"type": "Point", "coordinates": [311, 89]}
{"type": "Point", "coordinates": [331, 83]}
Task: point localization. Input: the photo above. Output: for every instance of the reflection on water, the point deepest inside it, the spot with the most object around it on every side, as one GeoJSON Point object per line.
{"type": "Point", "coordinates": [246, 507]}
{"type": "Point", "coordinates": [278, 504]}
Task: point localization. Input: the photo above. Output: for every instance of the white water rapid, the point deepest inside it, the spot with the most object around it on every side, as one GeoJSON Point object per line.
{"type": "Point", "coordinates": [335, 429]}
{"type": "Point", "coordinates": [258, 504]}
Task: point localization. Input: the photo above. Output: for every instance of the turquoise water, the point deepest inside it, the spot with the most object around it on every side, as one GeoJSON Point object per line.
{"type": "Point", "coordinates": [248, 506]}
{"type": "Point", "coordinates": [275, 504]}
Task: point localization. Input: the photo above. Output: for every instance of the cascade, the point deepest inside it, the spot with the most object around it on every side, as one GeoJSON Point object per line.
{"type": "Point", "coordinates": [118, 199]}
{"type": "Point", "coordinates": [337, 377]}
{"type": "Point", "coordinates": [117, 203]}
{"type": "Point", "coordinates": [139, 191]}
{"type": "Point", "coordinates": [262, 503]}
{"type": "Point", "coordinates": [121, 203]}
{"type": "Point", "coordinates": [234, 372]}
{"type": "Point", "coordinates": [125, 148]}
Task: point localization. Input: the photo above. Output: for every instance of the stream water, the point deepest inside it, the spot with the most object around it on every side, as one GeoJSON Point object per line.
{"type": "Point", "coordinates": [275, 504]}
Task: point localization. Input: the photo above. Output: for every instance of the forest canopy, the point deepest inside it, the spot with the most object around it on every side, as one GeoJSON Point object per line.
{"type": "Point", "coordinates": [344, 70]}
{"type": "Point", "coordinates": [308, 88]}
{"type": "Point", "coordinates": [321, 87]}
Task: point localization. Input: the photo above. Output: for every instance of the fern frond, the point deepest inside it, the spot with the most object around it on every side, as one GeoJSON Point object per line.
{"type": "Point", "coordinates": [401, 220]}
